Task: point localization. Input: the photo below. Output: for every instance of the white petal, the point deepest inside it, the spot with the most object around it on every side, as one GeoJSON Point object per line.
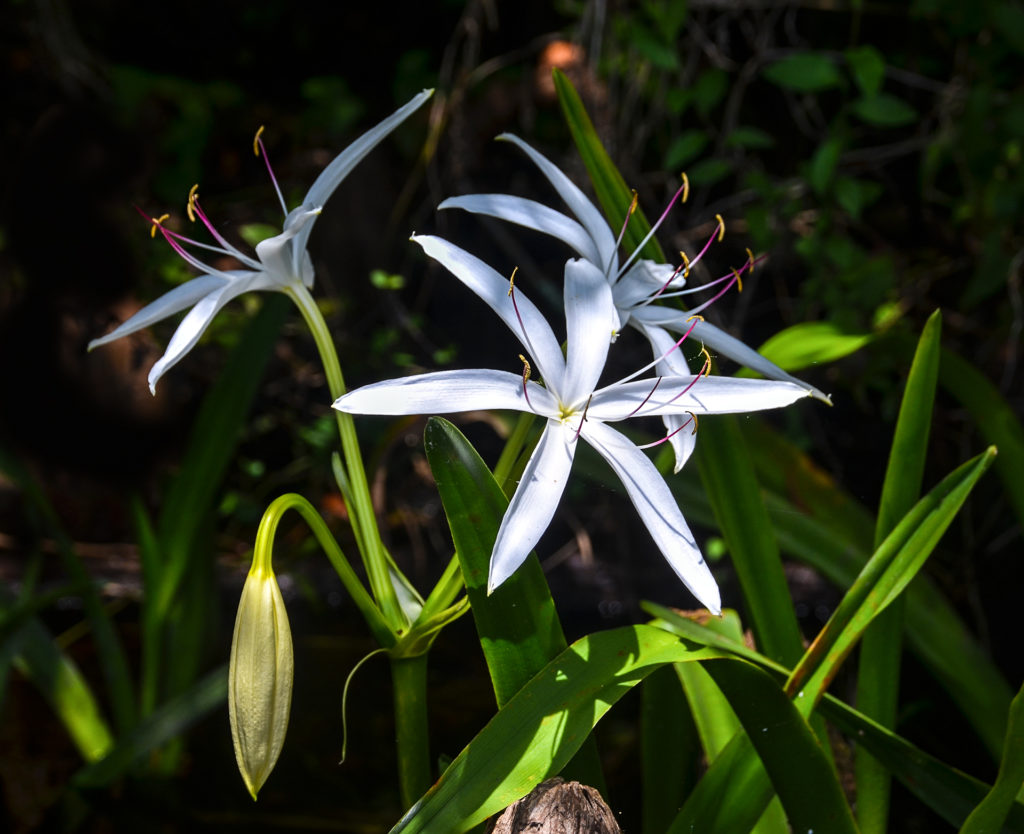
{"type": "Point", "coordinates": [444, 392]}
{"type": "Point", "coordinates": [198, 319]}
{"type": "Point", "coordinates": [658, 510]}
{"type": "Point", "coordinates": [642, 280]}
{"type": "Point", "coordinates": [578, 203]}
{"type": "Point", "coordinates": [532, 215]}
{"type": "Point", "coordinates": [590, 319]}
{"type": "Point", "coordinates": [671, 362]}
{"type": "Point", "coordinates": [534, 503]}
{"type": "Point", "coordinates": [277, 254]}
{"type": "Point", "coordinates": [534, 331]}
{"type": "Point", "coordinates": [168, 304]}
{"type": "Point", "coordinates": [709, 395]}
{"type": "Point", "coordinates": [720, 341]}
{"type": "Point", "coordinates": [323, 186]}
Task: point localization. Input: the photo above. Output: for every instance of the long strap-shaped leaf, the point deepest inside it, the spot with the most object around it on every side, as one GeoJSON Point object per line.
{"type": "Point", "coordinates": [882, 648]}
{"type": "Point", "coordinates": [545, 722]}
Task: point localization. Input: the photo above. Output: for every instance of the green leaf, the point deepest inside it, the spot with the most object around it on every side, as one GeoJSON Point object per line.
{"type": "Point", "coordinates": [809, 343]}
{"type": "Point", "coordinates": [993, 810]}
{"type": "Point", "coordinates": [732, 488]}
{"type": "Point", "coordinates": [881, 650]}
{"type": "Point", "coordinates": [518, 625]}
{"type": "Point", "coordinates": [996, 420]}
{"type": "Point", "coordinates": [542, 725]}
{"type": "Point", "coordinates": [710, 171]}
{"type": "Point", "coordinates": [167, 722]}
{"type": "Point", "coordinates": [822, 167]}
{"type": "Point", "coordinates": [884, 110]}
{"type": "Point", "coordinates": [62, 684]}
{"type": "Point", "coordinates": [749, 137]}
{"type": "Point", "coordinates": [884, 577]}
{"type": "Point", "coordinates": [709, 89]}
{"type": "Point", "coordinates": [685, 148]}
{"type": "Point", "coordinates": [612, 192]}
{"type": "Point", "coordinates": [670, 748]}
{"type": "Point", "coordinates": [800, 772]}
{"type": "Point", "coordinates": [868, 68]}
{"type": "Point", "coordinates": [856, 195]}
{"type": "Point", "coordinates": [945, 790]}
{"type": "Point", "coordinates": [805, 72]}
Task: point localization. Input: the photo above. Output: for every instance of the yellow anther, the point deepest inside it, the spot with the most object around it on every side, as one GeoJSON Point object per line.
{"type": "Point", "coordinates": [694, 416]}
{"type": "Point", "coordinates": [526, 368]}
{"type": "Point", "coordinates": [633, 203]}
{"type": "Point", "coordinates": [256, 141]}
{"type": "Point", "coordinates": [512, 286]}
{"type": "Point", "coordinates": [739, 281]}
{"type": "Point", "coordinates": [750, 255]}
{"type": "Point", "coordinates": [721, 227]}
{"type": "Point", "coordinates": [707, 361]}
{"type": "Point", "coordinates": [157, 221]}
{"type": "Point", "coordinates": [694, 318]}
{"type": "Point", "coordinates": [686, 187]}
{"type": "Point", "coordinates": [686, 264]}
{"type": "Point", "coordinates": [190, 207]}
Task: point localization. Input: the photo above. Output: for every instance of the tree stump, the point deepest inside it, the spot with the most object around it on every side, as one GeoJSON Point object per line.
{"type": "Point", "coordinates": [557, 807]}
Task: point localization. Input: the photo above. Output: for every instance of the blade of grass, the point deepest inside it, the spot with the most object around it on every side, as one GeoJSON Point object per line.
{"type": "Point", "coordinates": [878, 672]}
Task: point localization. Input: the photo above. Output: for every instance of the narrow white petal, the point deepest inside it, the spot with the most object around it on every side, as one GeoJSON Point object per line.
{"type": "Point", "coordinates": [577, 202]}
{"type": "Point", "coordinates": [534, 331]}
{"type": "Point", "coordinates": [198, 319]}
{"type": "Point", "coordinates": [671, 362]}
{"type": "Point", "coordinates": [590, 319]}
{"type": "Point", "coordinates": [658, 510]}
{"type": "Point", "coordinates": [534, 503]}
{"type": "Point", "coordinates": [709, 395]}
{"type": "Point", "coordinates": [532, 215]}
{"type": "Point", "coordinates": [720, 341]}
{"type": "Point", "coordinates": [445, 392]}
{"type": "Point", "coordinates": [178, 299]}
{"type": "Point", "coordinates": [330, 178]}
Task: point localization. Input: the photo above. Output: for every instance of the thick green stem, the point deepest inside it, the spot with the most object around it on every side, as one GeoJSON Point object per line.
{"type": "Point", "coordinates": [409, 682]}
{"type": "Point", "coordinates": [372, 550]}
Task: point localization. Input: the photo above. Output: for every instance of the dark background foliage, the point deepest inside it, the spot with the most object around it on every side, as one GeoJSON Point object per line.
{"type": "Point", "coordinates": [872, 150]}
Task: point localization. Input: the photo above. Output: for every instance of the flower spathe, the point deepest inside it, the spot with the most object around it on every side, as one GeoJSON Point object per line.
{"type": "Point", "coordinates": [573, 407]}
{"type": "Point", "coordinates": [281, 263]}
{"type": "Point", "coordinates": [635, 285]}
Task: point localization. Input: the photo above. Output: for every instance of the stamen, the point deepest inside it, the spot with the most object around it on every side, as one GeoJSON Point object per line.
{"type": "Point", "coordinates": [583, 419]}
{"type": "Point", "coordinates": [260, 150]}
{"type": "Point", "coordinates": [739, 281]}
{"type": "Point", "coordinates": [526, 376]}
{"type": "Point", "coordinates": [157, 221]}
{"type": "Point", "coordinates": [721, 227]}
{"type": "Point", "coordinates": [190, 205]}
{"type": "Point", "coordinates": [686, 187]}
{"type": "Point", "coordinates": [750, 260]}
{"type": "Point", "coordinates": [639, 247]}
{"type": "Point", "coordinates": [649, 395]}
{"type": "Point", "coordinates": [670, 435]}
{"type": "Point", "coordinates": [512, 281]}
{"type": "Point", "coordinates": [706, 369]}
{"type": "Point", "coordinates": [686, 264]}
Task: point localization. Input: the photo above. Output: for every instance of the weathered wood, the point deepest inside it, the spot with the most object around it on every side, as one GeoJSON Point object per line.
{"type": "Point", "coordinates": [557, 807]}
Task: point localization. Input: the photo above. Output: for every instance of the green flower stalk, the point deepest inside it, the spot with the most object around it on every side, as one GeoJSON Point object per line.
{"type": "Point", "coordinates": [260, 674]}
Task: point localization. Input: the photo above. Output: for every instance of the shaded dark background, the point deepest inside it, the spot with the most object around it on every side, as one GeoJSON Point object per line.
{"type": "Point", "coordinates": [113, 105]}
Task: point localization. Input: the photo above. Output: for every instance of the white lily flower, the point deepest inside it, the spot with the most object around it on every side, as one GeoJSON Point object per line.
{"type": "Point", "coordinates": [574, 407]}
{"type": "Point", "coordinates": [635, 285]}
{"type": "Point", "coordinates": [280, 263]}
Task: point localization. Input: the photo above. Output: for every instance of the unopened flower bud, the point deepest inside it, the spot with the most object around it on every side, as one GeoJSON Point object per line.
{"type": "Point", "coordinates": [260, 676]}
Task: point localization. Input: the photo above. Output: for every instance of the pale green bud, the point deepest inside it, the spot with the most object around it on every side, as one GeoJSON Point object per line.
{"type": "Point", "coordinates": [260, 676]}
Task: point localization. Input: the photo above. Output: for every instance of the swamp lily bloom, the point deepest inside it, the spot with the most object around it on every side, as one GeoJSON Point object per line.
{"type": "Point", "coordinates": [573, 407]}
{"type": "Point", "coordinates": [635, 284]}
{"type": "Point", "coordinates": [281, 262]}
